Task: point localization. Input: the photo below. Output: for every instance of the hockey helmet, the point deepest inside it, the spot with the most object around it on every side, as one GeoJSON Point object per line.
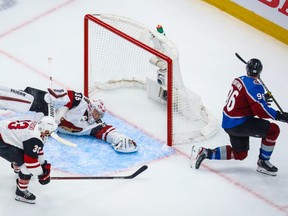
{"type": "Point", "coordinates": [96, 110]}
{"type": "Point", "coordinates": [47, 126]}
{"type": "Point", "coordinates": [254, 67]}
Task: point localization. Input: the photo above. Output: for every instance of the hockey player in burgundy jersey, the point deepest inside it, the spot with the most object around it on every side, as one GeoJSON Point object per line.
{"type": "Point", "coordinates": [21, 143]}
{"type": "Point", "coordinates": [245, 115]}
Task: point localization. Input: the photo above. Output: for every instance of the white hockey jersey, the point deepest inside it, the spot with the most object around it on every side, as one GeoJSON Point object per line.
{"type": "Point", "coordinates": [24, 134]}
{"type": "Point", "coordinates": [73, 119]}
{"type": "Point", "coordinates": [73, 116]}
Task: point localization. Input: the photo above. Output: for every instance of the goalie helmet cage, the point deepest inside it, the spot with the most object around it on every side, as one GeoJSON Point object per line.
{"type": "Point", "coordinates": [120, 52]}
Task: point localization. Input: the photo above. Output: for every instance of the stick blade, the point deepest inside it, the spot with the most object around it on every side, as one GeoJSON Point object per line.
{"type": "Point", "coordinates": [139, 171]}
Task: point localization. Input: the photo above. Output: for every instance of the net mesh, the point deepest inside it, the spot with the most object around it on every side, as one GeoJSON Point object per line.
{"type": "Point", "coordinates": [116, 61]}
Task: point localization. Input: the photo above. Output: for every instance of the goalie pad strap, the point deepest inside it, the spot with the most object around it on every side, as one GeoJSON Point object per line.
{"type": "Point", "coordinates": [14, 99]}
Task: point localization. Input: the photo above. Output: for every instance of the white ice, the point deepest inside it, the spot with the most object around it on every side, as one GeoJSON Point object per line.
{"type": "Point", "coordinates": [207, 38]}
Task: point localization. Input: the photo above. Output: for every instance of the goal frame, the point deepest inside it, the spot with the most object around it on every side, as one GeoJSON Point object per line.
{"type": "Point", "coordinates": [187, 119]}
{"type": "Point", "coordinates": [137, 43]}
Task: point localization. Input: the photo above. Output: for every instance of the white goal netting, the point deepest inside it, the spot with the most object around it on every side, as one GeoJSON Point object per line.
{"type": "Point", "coordinates": [120, 52]}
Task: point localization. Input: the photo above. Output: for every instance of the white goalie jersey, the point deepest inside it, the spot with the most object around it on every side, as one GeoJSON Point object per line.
{"type": "Point", "coordinates": [74, 121]}
{"type": "Point", "coordinates": [72, 116]}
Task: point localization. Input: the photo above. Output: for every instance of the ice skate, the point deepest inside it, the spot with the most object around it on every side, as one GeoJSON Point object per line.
{"type": "Point", "coordinates": [25, 196]}
{"type": "Point", "coordinates": [264, 166]}
{"type": "Point", "coordinates": [197, 156]}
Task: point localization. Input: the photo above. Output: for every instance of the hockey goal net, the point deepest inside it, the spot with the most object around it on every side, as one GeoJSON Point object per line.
{"type": "Point", "coordinates": [120, 52]}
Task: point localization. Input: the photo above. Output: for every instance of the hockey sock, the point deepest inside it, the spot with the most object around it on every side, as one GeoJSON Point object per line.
{"type": "Point", "coordinates": [268, 142]}
{"type": "Point", "coordinates": [266, 149]}
{"type": "Point", "coordinates": [23, 181]}
{"type": "Point", "coordinates": [221, 153]}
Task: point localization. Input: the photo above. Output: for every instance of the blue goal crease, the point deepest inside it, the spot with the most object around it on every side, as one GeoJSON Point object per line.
{"type": "Point", "coordinates": [96, 157]}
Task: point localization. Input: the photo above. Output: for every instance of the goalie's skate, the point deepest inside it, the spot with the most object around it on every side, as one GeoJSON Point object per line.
{"type": "Point", "coordinates": [265, 167]}
{"type": "Point", "coordinates": [25, 196]}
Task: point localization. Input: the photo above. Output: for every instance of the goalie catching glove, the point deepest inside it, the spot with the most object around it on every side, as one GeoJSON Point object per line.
{"type": "Point", "coordinates": [121, 143]}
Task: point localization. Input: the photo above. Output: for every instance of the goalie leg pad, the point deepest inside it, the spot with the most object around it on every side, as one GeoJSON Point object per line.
{"type": "Point", "coordinates": [15, 100]}
{"type": "Point", "coordinates": [121, 143]}
{"type": "Point", "coordinates": [125, 146]}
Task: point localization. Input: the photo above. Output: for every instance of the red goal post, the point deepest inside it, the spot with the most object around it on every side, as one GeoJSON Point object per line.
{"type": "Point", "coordinates": [120, 52]}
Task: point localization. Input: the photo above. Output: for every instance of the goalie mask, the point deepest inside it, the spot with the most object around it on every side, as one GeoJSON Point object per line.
{"type": "Point", "coordinates": [96, 110]}
{"type": "Point", "coordinates": [46, 126]}
{"type": "Point", "coordinates": [254, 67]}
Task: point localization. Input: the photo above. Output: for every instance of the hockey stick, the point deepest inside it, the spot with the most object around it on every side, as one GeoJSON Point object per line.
{"type": "Point", "coordinates": [240, 58]}
{"type": "Point", "coordinates": [270, 95]}
{"type": "Point", "coordinates": [50, 71]}
{"type": "Point", "coordinates": [136, 173]}
{"type": "Point", "coordinates": [63, 141]}
{"type": "Point", "coordinates": [51, 110]}
{"type": "Point", "coordinates": [265, 87]}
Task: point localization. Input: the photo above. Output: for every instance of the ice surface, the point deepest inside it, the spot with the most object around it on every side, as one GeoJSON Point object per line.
{"type": "Point", "coordinates": [31, 31]}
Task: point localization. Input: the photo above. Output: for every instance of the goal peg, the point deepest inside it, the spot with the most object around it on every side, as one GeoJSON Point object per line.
{"type": "Point", "coordinates": [160, 29]}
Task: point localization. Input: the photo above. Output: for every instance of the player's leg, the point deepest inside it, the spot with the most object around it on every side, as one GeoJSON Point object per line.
{"type": "Point", "coordinates": [239, 140]}
{"type": "Point", "coordinates": [22, 183]}
{"type": "Point", "coordinates": [13, 155]}
{"type": "Point", "coordinates": [225, 152]}
{"type": "Point", "coordinates": [266, 150]}
{"type": "Point", "coordinates": [269, 133]}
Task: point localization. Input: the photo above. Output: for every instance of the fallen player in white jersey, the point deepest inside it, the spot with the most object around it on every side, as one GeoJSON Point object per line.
{"type": "Point", "coordinates": [75, 114]}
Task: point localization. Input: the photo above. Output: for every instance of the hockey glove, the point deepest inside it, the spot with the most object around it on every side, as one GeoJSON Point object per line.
{"type": "Point", "coordinates": [268, 98]}
{"type": "Point", "coordinates": [45, 177]}
{"type": "Point", "coordinates": [282, 116]}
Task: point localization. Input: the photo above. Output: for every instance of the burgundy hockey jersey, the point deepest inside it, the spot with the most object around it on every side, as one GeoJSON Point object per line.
{"type": "Point", "coordinates": [245, 100]}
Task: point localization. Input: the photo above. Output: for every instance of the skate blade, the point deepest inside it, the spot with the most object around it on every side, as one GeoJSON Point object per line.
{"type": "Point", "coordinates": [264, 171]}
{"type": "Point", "coordinates": [193, 156]}
{"type": "Point", "coordinates": [21, 199]}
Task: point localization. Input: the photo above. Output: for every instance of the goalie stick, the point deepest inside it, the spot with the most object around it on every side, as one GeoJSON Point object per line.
{"type": "Point", "coordinates": [51, 110]}
{"type": "Point", "coordinates": [50, 71]}
{"type": "Point", "coordinates": [136, 173]}
{"type": "Point", "coordinates": [265, 87]}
